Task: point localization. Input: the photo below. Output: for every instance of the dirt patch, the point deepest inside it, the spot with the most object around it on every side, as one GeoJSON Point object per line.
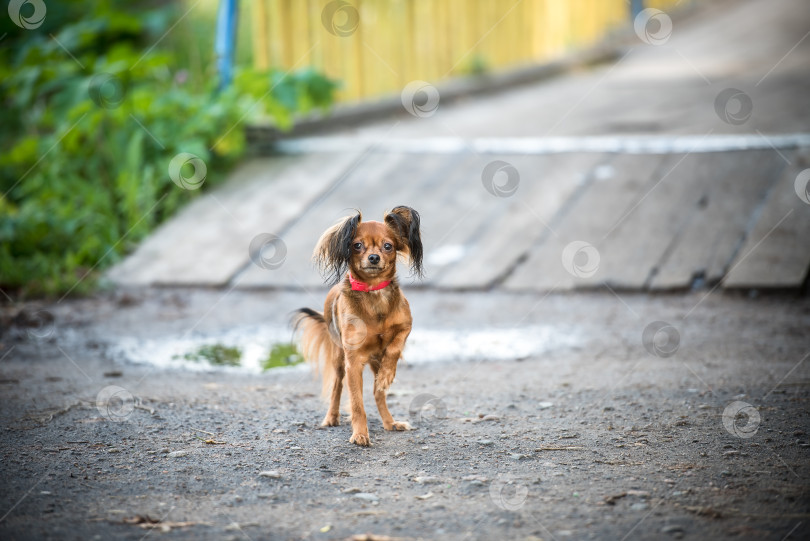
{"type": "Point", "coordinates": [693, 429]}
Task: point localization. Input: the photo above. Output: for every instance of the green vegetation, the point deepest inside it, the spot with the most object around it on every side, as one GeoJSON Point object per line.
{"type": "Point", "coordinates": [478, 65]}
{"type": "Point", "coordinates": [282, 355]}
{"type": "Point", "coordinates": [95, 105]}
{"type": "Point", "coordinates": [215, 354]}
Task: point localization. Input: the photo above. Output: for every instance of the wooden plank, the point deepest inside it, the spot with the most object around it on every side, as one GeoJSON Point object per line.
{"type": "Point", "coordinates": [776, 254]}
{"type": "Point", "coordinates": [207, 242]}
{"type": "Point", "coordinates": [450, 205]}
{"type": "Point", "coordinates": [261, 35]}
{"type": "Point", "coordinates": [732, 190]}
{"type": "Point", "coordinates": [507, 227]}
{"type": "Point", "coordinates": [631, 251]}
{"type": "Point", "coordinates": [379, 183]}
{"type": "Point", "coordinates": [613, 189]}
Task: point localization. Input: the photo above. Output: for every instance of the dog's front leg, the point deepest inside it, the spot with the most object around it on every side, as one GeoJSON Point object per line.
{"type": "Point", "coordinates": [384, 376]}
{"type": "Point", "coordinates": [354, 380]}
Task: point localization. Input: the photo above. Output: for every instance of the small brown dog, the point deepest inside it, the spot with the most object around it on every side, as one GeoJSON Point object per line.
{"type": "Point", "coordinates": [366, 318]}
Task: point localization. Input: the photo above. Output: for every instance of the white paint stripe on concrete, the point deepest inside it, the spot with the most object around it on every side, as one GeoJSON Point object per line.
{"type": "Point", "coordinates": [626, 144]}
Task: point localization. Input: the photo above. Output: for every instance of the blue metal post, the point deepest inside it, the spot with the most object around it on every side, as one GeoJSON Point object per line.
{"type": "Point", "coordinates": [225, 42]}
{"type": "Point", "coordinates": [636, 7]}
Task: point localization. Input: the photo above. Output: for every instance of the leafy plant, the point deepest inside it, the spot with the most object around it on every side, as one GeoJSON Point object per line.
{"type": "Point", "coordinates": [92, 115]}
{"type": "Point", "coordinates": [282, 355]}
{"type": "Point", "coordinates": [216, 354]}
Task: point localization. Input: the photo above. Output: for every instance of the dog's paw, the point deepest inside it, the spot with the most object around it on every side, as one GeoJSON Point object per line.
{"type": "Point", "coordinates": [331, 420]}
{"type": "Point", "coordinates": [399, 425]}
{"type": "Point", "coordinates": [360, 439]}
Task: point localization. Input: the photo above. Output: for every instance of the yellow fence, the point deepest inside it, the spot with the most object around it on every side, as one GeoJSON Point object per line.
{"type": "Point", "coordinates": [376, 47]}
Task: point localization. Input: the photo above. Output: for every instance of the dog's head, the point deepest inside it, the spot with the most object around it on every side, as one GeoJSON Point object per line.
{"type": "Point", "coordinates": [370, 249]}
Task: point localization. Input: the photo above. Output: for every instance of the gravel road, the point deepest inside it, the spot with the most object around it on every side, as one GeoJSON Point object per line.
{"type": "Point", "coordinates": [692, 428]}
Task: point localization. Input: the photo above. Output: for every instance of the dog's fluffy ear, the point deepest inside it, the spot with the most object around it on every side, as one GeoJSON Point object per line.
{"type": "Point", "coordinates": [404, 222]}
{"type": "Point", "coordinates": [334, 249]}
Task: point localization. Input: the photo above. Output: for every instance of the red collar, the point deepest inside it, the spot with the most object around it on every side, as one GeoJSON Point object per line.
{"type": "Point", "coordinates": [357, 285]}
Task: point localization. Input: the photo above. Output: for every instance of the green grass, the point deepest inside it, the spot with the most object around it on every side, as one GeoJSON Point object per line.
{"type": "Point", "coordinates": [284, 354]}
{"type": "Point", "coordinates": [280, 354]}
{"type": "Point", "coordinates": [216, 355]}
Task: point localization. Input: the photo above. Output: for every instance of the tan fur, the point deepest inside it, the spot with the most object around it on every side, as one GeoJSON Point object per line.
{"type": "Point", "coordinates": [359, 328]}
{"type": "Point", "coordinates": [318, 348]}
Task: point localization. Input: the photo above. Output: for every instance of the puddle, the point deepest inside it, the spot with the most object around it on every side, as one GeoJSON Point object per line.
{"type": "Point", "coordinates": [254, 345]}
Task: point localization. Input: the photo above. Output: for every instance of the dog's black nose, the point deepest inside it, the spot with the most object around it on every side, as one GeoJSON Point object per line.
{"type": "Point", "coordinates": [374, 258]}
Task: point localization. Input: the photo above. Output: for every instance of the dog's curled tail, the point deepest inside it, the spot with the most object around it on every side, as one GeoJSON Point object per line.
{"type": "Point", "coordinates": [318, 347]}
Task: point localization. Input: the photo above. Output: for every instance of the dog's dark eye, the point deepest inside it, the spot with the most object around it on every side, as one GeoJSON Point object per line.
{"type": "Point", "coordinates": [358, 246]}
{"type": "Point", "coordinates": [387, 247]}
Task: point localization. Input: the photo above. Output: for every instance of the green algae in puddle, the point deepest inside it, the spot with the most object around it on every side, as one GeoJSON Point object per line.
{"type": "Point", "coordinates": [215, 354]}
{"type": "Point", "coordinates": [284, 354]}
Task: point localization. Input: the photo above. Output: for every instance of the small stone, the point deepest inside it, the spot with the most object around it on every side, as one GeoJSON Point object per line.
{"type": "Point", "coordinates": [544, 405]}
{"type": "Point", "coordinates": [427, 480]}
{"type": "Point", "coordinates": [424, 496]}
{"type": "Point", "coordinates": [485, 442]}
{"type": "Point", "coordinates": [272, 474]}
{"type": "Point", "coordinates": [366, 496]}
{"type": "Point", "coordinates": [640, 506]}
{"type": "Point", "coordinates": [638, 493]}
{"type": "Point", "coordinates": [672, 528]}
{"type": "Point", "coordinates": [517, 456]}
{"type": "Point", "coordinates": [352, 490]}
{"type": "Point", "coordinates": [490, 417]}
{"type": "Point", "coordinates": [178, 454]}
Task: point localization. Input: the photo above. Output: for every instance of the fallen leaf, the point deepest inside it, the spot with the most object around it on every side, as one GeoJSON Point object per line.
{"type": "Point", "coordinates": [704, 511]}
{"type": "Point", "coordinates": [147, 522]}
{"type": "Point", "coordinates": [612, 499]}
